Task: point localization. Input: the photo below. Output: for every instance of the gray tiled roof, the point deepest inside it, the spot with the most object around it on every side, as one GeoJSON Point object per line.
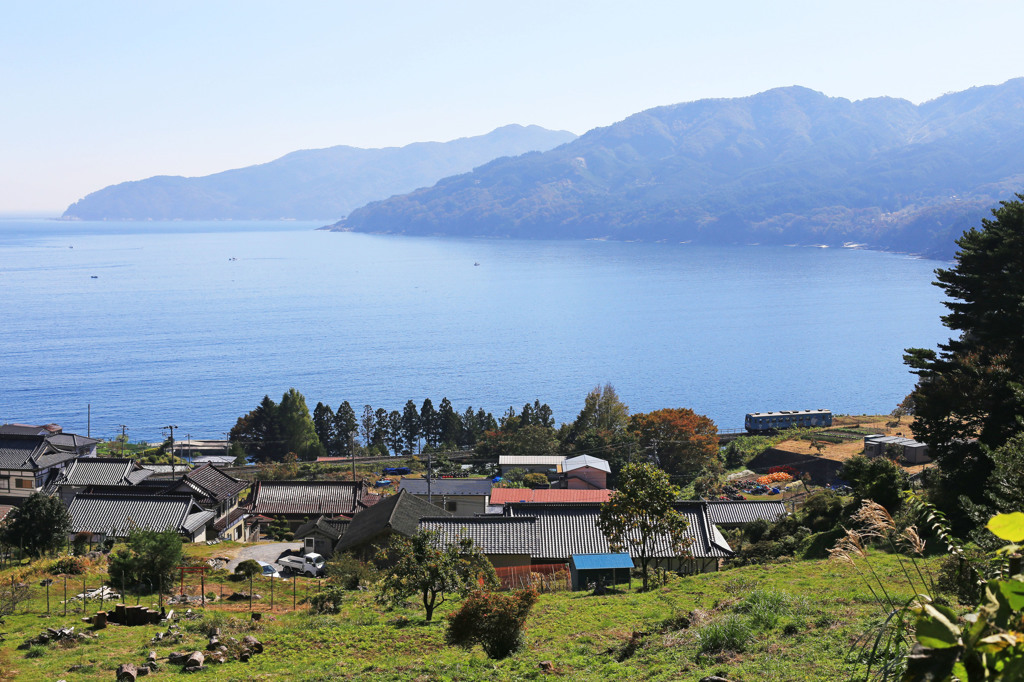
{"type": "Point", "coordinates": [102, 471]}
{"type": "Point", "coordinates": [17, 452]}
{"type": "Point", "coordinates": [449, 487]}
{"type": "Point", "coordinates": [214, 483]}
{"type": "Point", "coordinates": [120, 513]}
{"type": "Point", "coordinates": [492, 534]}
{"type": "Point", "coordinates": [567, 529]}
{"type": "Point", "coordinates": [399, 513]}
{"type": "Point", "coordinates": [729, 512]}
{"type": "Point", "coordinates": [307, 497]}
{"type": "Point", "coordinates": [331, 528]}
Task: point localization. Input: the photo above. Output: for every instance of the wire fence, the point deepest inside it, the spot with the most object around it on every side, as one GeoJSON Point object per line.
{"type": "Point", "coordinates": [85, 595]}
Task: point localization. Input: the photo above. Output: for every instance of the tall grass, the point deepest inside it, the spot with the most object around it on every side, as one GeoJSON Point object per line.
{"type": "Point", "coordinates": [732, 633]}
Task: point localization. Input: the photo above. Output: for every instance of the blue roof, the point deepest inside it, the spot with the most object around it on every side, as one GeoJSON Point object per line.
{"type": "Point", "coordinates": [586, 562]}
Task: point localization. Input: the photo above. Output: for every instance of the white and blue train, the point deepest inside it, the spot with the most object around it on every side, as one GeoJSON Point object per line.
{"type": "Point", "coordinates": [760, 422]}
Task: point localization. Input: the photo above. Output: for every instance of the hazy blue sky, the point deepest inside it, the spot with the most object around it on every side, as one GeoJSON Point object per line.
{"type": "Point", "coordinates": [95, 93]}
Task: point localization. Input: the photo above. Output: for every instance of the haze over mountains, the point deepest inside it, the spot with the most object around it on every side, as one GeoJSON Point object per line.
{"type": "Point", "coordinates": [315, 184]}
{"type": "Point", "coordinates": [785, 166]}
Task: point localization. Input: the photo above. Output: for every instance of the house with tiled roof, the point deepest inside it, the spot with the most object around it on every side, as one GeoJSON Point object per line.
{"type": "Point", "coordinates": [507, 541]}
{"type": "Point", "coordinates": [116, 515]}
{"type": "Point", "coordinates": [372, 529]}
{"type": "Point", "coordinates": [33, 456]}
{"type": "Point", "coordinates": [221, 493]}
{"type": "Point", "coordinates": [322, 534]}
{"type": "Point", "coordinates": [735, 513]}
{"type": "Point", "coordinates": [458, 496]}
{"type": "Point", "coordinates": [563, 530]}
{"type": "Point", "coordinates": [300, 501]}
{"type": "Point", "coordinates": [83, 472]}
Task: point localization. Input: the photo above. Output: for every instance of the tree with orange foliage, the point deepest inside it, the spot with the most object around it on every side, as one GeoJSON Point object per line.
{"type": "Point", "coordinates": [679, 441]}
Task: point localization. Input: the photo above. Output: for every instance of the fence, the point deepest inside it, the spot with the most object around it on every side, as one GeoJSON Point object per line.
{"type": "Point", "coordinates": [543, 577]}
{"type": "Point", "coordinates": [65, 595]}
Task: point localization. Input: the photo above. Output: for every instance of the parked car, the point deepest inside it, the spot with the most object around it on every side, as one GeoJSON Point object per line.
{"type": "Point", "coordinates": [268, 570]}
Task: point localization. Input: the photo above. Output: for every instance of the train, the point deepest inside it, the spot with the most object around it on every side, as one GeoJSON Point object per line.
{"type": "Point", "coordinates": [763, 422]}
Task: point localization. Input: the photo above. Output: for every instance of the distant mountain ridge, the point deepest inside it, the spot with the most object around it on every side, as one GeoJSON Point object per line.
{"type": "Point", "coordinates": [315, 184]}
{"type": "Point", "coordinates": [788, 165]}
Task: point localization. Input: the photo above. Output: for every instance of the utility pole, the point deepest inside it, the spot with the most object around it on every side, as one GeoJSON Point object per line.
{"type": "Point", "coordinates": [172, 427]}
{"type": "Point", "coordinates": [88, 422]}
{"type": "Point", "coordinates": [227, 442]}
{"type": "Point", "coordinates": [188, 457]}
{"type": "Point", "coordinates": [124, 437]}
{"type": "Point", "coordinates": [430, 499]}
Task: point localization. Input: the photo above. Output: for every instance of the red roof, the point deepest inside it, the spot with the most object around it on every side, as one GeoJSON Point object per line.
{"type": "Point", "coordinates": [506, 495]}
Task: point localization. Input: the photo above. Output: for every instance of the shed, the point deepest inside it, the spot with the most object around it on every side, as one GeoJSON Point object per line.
{"type": "Point", "coordinates": [599, 568]}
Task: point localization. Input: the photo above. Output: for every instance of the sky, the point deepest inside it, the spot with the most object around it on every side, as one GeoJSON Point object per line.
{"type": "Point", "coordinates": [97, 93]}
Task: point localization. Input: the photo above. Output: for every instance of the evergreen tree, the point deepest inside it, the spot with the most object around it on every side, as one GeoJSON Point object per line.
{"type": "Point", "coordinates": [450, 424]}
{"type": "Point", "coordinates": [411, 426]}
{"type": "Point", "coordinates": [969, 401]}
{"type": "Point", "coordinates": [380, 428]}
{"type": "Point", "coordinates": [345, 427]}
{"type": "Point", "coordinates": [367, 422]}
{"type": "Point", "coordinates": [323, 422]}
{"type": "Point", "coordinates": [39, 525]}
{"type": "Point", "coordinates": [429, 423]}
{"type": "Point", "coordinates": [297, 429]}
{"type": "Point", "coordinates": [259, 432]}
{"type": "Point", "coordinates": [395, 438]}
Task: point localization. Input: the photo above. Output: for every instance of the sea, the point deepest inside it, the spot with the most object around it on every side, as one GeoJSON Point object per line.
{"type": "Point", "coordinates": [152, 324]}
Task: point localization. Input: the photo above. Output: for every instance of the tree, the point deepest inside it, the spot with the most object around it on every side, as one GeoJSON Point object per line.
{"type": "Point", "coordinates": [367, 422]}
{"type": "Point", "coordinates": [149, 558]}
{"type": "Point", "coordinates": [380, 428]}
{"type": "Point", "coordinates": [395, 438]}
{"type": "Point", "coordinates": [297, 430]}
{"type": "Point", "coordinates": [345, 427]}
{"type": "Point", "coordinates": [38, 526]}
{"type": "Point", "coordinates": [526, 440]}
{"type": "Point", "coordinates": [450, 426]}
{"type": "Point", "coordinates": [1006, 484]}
{"type": "Point", "coordinates": [641, 515]}
{"type": "Point", "coordinates": [323, 423]}
{"type": "Point", "coordinates": [969, 399]}
{"type": "Point", "coordinates": [680, 441]}
{"type": "Point", "coordinates": [421, 566]}
{"type": "Point", "coordinates": [429, 423]}
{"type": "Point", "coordinates": [259, 431]}
{"type": "Point", "coordinates": [411, 425]}
{"type": "Point", "coordinates": [602, 410]}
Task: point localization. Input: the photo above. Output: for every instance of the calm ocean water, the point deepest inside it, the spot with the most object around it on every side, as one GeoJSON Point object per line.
{"type": "Point", "coordinates": [192, 323]}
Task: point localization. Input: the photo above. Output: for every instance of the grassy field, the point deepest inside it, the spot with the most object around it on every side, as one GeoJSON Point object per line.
{"type": "Point", "coordinates": [791, 621]}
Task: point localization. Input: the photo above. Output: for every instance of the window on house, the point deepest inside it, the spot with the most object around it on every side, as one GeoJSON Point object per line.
{"type": "Point", "coordinates": [450, 506]}
{"type": "Point", "coordinates": [24, 483]}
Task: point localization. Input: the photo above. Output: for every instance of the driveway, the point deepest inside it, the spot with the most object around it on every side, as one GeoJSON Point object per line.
{"type": "Point", "coordinates": [269, 552]}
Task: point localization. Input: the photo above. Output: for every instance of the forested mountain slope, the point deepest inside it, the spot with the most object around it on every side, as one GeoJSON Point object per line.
{"type": "Point", "coordinates": [789, 165]}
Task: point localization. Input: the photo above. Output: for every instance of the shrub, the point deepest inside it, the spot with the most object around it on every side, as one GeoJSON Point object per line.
{"type": "Point", "coordinates": [327, 601]}
{"type": "Point", "coordinates": [347, 571]}
{"type": "Point", "coordinates": [732, 633]}
{"type": "Point", "coordinates": [248, 568]}
{"type": "Point", "coordinates": [495, 621]}
{"type": "Point", "coordinates": [535, 480]}
{"type": "Point", "coordinates": [67, 565]}
{"type": "Point", "coordinates": [149, 557]}
{"type": "Point", "coordinates": [81, 542]}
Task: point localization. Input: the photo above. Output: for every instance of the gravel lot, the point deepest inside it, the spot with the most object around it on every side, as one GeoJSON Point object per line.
{"type": "Point", "coordinates": [269, 552]}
